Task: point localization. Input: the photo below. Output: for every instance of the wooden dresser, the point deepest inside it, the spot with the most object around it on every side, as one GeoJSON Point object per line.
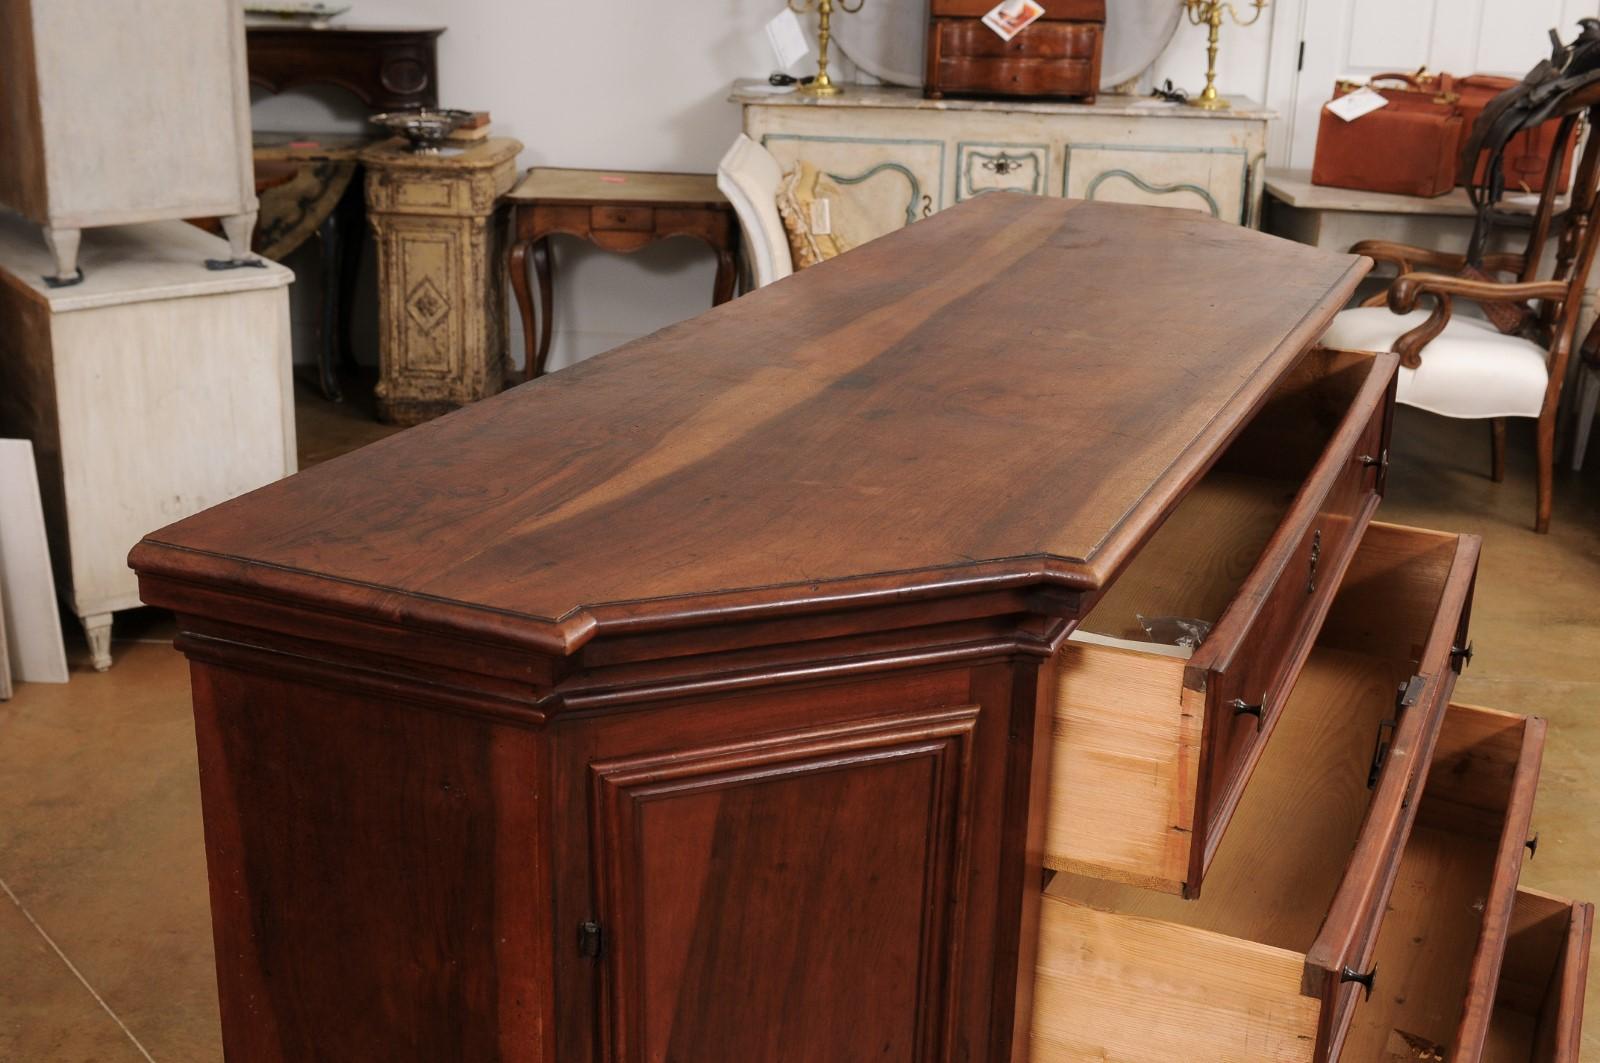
{"type": "Point", "coordinates": [732, 695]}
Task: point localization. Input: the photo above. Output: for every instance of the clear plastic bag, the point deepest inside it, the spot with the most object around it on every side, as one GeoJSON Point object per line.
{"type": "Point", "coordinates": [1175, 630]}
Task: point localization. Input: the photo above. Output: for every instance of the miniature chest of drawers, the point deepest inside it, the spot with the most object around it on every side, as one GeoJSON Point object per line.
{"type": "Point", "coordinates": [799, 702]}
{"type": "Point", "coordinates": [1056, 56]}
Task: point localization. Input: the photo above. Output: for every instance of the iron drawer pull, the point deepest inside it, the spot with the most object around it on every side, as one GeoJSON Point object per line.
{"type": "Point", "coordinates": [1533, 845]}
{"type": "Point", "coordinates": [1316, 555]}
{"type": "Point", "coordinates": [1241, 709]}
{"type": "Point", "coordinates": [1461, 656]}
{"type": "Point", "coordinates": [1381, 461]}
{"type": "Point", "coordinates": [1364, 980]}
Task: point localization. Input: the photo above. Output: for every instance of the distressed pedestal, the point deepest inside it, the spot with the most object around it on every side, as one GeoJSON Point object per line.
{"type": "Point", "coordinates": [441, 292]}
{"type": "Point", "coordinates": [154, 389]}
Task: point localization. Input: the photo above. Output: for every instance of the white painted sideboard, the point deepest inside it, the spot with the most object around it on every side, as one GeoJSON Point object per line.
{"type": "Point", "coordinates": [154, 389]}
{"type": "Point", "coordinates": [910, 156]}
{"type": "Point", "coordinates": [113, 113]}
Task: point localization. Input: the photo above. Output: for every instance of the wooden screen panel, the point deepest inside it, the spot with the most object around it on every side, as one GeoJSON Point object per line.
{"type": "Point", "coordinates": [801, 894]}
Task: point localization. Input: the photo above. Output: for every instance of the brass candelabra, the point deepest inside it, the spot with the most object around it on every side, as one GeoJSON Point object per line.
{"type": "Point", "coordinates": [1208, 13]}
{"type": "Point", "coordinates": [822, 85]}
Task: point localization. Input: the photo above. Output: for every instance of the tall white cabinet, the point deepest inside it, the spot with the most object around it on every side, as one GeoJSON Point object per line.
{"type": "Point", "coordinates": [152, 390]}
{"type": "Point", "coordinates": [112, 113]}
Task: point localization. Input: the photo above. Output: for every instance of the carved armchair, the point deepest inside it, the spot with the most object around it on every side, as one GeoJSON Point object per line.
{"type": "Point", "coordinates": [1464, 366]}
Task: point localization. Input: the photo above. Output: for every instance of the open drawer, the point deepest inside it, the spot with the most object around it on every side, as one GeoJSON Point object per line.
{"type": "Point", "coordinates": [1268, 961]}
{"type": "Point", "coordinates": [1153, 742]}
{"type": "Point", "coordinates": [1538, 1005]}
{"type": "Point", "coordinates": [1455, 898]}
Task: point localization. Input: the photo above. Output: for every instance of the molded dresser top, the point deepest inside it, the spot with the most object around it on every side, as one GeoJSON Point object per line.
{"type": "Point", "coordinates": [1012, 393]}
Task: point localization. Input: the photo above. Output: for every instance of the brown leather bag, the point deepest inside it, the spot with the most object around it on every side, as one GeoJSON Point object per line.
{"type": "Point", "coordinates": [1527, 155]}
{"type": "Point", "coordinates": [1409, 147]}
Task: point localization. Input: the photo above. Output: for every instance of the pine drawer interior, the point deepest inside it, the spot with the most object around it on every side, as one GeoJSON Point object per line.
{"type": "Point", "coordinates": [1134, 974]}
{"type": "Point", "coordinates": [1147, 749]}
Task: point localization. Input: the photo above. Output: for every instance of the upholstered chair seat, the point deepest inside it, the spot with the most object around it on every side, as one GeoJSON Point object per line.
{"type": "Point", "coordinates": [1470, 370]}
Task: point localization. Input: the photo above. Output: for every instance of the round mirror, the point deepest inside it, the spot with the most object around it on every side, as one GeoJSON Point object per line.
{"type": "Point", "coordinates": [885, 38]}
{"type": "Point", "coordinates": [1137, 32]}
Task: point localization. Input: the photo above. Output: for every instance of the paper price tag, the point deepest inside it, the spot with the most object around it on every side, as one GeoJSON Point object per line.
{"type": "Point", "coordinates": [1010, 17]}
{"type": "Point", "coordinates": [821, 217]}
{"type": "Point", "coordinates": [1355, 104]}
{"type": "Point", "coordinates": [788, 39]}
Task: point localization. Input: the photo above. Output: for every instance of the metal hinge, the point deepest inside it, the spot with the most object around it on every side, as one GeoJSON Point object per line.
{"type": "Point", "coordinates": [1406, 696]}
{"type": "Point", "coordinates": [589, 939]}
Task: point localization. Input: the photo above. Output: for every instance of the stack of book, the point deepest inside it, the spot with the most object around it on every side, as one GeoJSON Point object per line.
{"type": "Point", "coordinates": [472, 129]}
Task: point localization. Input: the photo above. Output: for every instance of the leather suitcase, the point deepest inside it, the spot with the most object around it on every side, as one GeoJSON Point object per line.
{"type": "Point", "coordinates": [1527, 156]}
{"type": "Point", "coordinates": [1057, 57]}
{"type": "Point", "coordinates": [1410, 147]}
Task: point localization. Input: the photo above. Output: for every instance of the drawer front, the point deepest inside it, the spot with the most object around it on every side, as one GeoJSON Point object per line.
{"type": "Point", "coordinates": [983, 167]}
{"type": "Point", "coordinates": [1252, 658]}
{"type": "Point", "coordinates": [1439, 953]}
{"type": "Point", "coordinates": [626, 219]}
{"type": "Point", "coordinates": [1538, 1006]}
{"type": "Point", "coordinates": [1306, 876]}
{"type": "Point", "coordinates": [971, 39]}
{"type": "Point", "coordinates": [1072, 10]}
{"type": "Point", "coordinates": [1048, 59]}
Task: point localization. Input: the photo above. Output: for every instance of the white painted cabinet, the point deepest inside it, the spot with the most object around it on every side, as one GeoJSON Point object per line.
{"type": "Point", "coordinates": [908, 156]}
{"type": "Point", "coordinates": [116, 112]}
{"type": "Point", "coordinates": [154, 389]}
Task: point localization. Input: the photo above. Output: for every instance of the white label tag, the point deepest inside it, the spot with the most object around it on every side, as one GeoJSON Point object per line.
{"type": "Point", "coordinates": [1355, 104]}
{"type": "Point", "coordinates": [821, 217]}
{"type": "Point", "coordinates": [1010, 17]}
{"type": "Point", "coordinates": [788, 39]}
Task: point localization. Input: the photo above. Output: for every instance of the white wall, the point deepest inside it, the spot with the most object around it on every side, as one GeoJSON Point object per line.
{"type": "Point", "coordinates": [635, 84]}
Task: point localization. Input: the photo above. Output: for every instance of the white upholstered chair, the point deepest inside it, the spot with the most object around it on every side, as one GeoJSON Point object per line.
{"type": "Point", "coordinates": [749, 176]}
{"type": "Point", "coordinates": [1464, 367]}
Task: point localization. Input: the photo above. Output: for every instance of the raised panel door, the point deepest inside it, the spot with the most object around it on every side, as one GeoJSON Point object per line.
{"type": "Point", "coordinates": [798, 897]}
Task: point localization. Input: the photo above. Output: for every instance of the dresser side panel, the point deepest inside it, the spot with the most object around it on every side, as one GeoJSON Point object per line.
{"type": "Point", "coordinates": [378, 873]}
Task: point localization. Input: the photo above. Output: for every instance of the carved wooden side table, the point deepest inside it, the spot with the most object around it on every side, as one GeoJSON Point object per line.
{"type": "Point", "coordinates": [441, 301]}
{"type": "Point", "coordinates": [616, 211]}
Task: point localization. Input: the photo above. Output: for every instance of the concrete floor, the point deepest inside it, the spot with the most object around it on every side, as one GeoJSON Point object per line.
{"type": "Point", "coordinates": [105, 946]}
